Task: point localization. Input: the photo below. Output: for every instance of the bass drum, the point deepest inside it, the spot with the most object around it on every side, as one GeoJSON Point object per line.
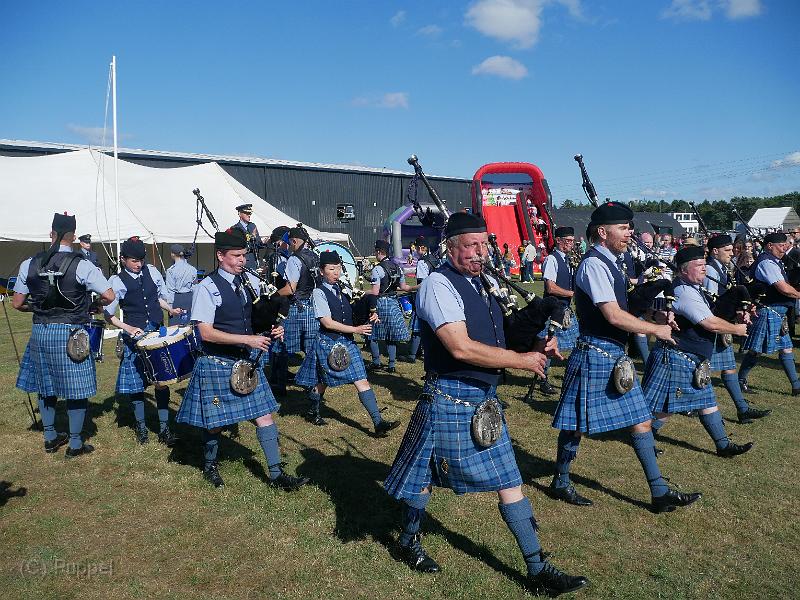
{"type": "Point", "coordinates": [348, 260]}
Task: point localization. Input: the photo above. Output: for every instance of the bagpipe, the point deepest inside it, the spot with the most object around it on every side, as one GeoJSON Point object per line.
{"type": "Point", "coordinates": [521, 325]}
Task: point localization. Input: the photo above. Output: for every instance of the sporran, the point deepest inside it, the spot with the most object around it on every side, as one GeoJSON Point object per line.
{"type": "Point", "coordinates": [487, 423]}
{"type": "Point", "coordinates": [702, 375]}
{"type": "Point", "coordinates": [784, 326]}
{"type": "Point", "coordinates": [339, 357]}
{"type": "Point", "coordinates": [244, 377]}
{"type": "Point", "coordinates": [78, 347]}
{"type": "Point", "coordinates": [566, 321]}
{"type": "Point", "coordinates": [726, 340]}
{"type": "Point", "coordinates": [624, 374]}
{"type": "Point", "coordinates": [119, 349]}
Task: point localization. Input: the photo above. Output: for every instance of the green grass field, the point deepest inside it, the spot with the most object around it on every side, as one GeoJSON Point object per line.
{"type": "Point", "coordinates": [140, 522]}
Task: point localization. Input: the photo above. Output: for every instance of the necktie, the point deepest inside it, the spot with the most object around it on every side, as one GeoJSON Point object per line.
{"type": "Point", "coordinates": [237, 286]}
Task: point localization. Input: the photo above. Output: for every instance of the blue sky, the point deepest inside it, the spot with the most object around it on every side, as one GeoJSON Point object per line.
{"type": "Point", "coordinates": [689, 99]}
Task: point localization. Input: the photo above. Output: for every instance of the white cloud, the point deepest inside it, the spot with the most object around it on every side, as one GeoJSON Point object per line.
{"type": "Point", "coordinates": [742, 9]}
{"type": "Point", "coordinates": [651, 193]}
{"type": "Point", "coordinates": [574, 7]}
{"type": "Point", "coordinates": [515, 21]}
{"type": "Point", "coordinates": [429, 30]}
{"type": "Point", "coordinates": [501, 66]}
{"type": "Point", "coordinates": [387, 100]}
{"type": "Point", "coordinates": [789, 161]}
{"type": "Point", "coordinates": [94, 135]}
{"type": "Point", "coordinates": [703, 10]}
{"type": "Point", "coordinates": [398, 18]}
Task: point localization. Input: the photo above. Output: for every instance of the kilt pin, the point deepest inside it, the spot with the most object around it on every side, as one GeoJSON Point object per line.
{"type": "Point", "coordinates": [668, 382]}
{"type": "Point", "coordinates": [315, 367]}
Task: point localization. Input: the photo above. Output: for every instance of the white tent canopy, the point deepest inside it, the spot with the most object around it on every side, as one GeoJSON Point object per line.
{"type": "Point", "coordinates": [155, 204]}
{"type": "Point", "coordinates": [783, 217]}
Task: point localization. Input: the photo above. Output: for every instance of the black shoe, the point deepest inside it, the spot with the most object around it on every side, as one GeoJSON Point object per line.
{"type": "Point", "coordinates": [745, 388]}
{"type": "Point", "coordinates": [674, 499]}
{"type": "Point", "coordinates": [391, 370]}
{"type": "Point", "coordinates": [732, 449]}
{"type": "Point", "coordinates": [658, 451]}
{"type": "Point", "coordinates": [373, 367]}
{"type": "Point", "coordinates": [546, 388]}
{"type": "Point", "coordinates": [414, 556]}
{"type": "Point", "coordinates": [85, 449]}
{"type": "Point", "coordinates": [53, 445]}
{"type": "Point", "coordinates": [211, 474]}
{"type": "Point", "coordinates": [167, 438]}
{"type": "Point", "coordinates": [796, 391]}
{"type": "Point", "coordinates": [407, 359]}
{"type": "Point", "coordinates": [553, 582]}
{"type": "Point", "coordinates": [751, 414]}
{"type": "Point", "coordinates": [142, 435]}
{"type": "Point", "coordinates": [569, 495]}
{"type": "Point", "coordinates": [313, 417]}
{"type": "Point", "coordinates": [385, 427]}
{"type": "Point", "coordinates": [288, 482]}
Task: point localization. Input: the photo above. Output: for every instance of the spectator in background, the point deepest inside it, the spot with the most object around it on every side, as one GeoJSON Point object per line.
{"type": "Point", "coordinates": [666, 252]}
{"type": "Point", "coordinates": [528, 258]}
{"type": "Point", "coordinates": [582, 245]}
{"type": "Point", "coordinates": [508, 260]}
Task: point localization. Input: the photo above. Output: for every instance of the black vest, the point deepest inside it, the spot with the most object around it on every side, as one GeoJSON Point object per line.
{"type": "Point", "coordinates": [341, 311]}
{"type": "Point", "coordinates": [252, 245]}
{"type": "Point", "coordinates": [484, 324]}
{"type": "Point", "coordinates": [73, 310]}
{"type": "Point", "coordinates": [590, 318]}
{"type": "Point", "coordinates": [391, 277]}
{"type": "Point", "coordinates": [564, 277]}
{"type": "Point", "coordinates": [693, 338]}
{"type": "Point", "coordinates": [773, 296]}
{"type": "Point", "coordinates": [140, 303]}
{"type": "Point", "coordinates": [231, 317]}
{"type": "Point", "coordinates": [722, 274]}
{"type": "Point", "coordinates": [308, 273]}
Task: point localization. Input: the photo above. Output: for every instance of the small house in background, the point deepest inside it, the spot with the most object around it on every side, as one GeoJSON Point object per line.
{"type": "Point", "coordinates": [687, 221]}
{"type": "Point", "coordinates": [783, 218]}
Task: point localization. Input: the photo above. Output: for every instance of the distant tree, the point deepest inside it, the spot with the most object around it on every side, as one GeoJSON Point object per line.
{"type": "Point", "coordinates": [568, 204]}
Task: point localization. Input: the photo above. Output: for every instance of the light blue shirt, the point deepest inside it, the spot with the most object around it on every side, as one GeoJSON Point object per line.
{"type": "Point", "coordinates": [377, 274]}
{"type": "Point", "coordinates": [86, 274]}
{"type": "Point", "coordinates": [690, 303]}
{"type": "Point", "coordinates": [595, 278]}
{"type": "Point", "coordinates": [438, 301]}
{"type": "Point", "coordinates": [321, 307]}
{"type": "Point", "coordinates": [180, 279]}
{"type": "Point", "coordinates": [710, 285]}
{"type": "Point", "coordinates": [769, 272]}
{"type": "Point", "coordinates": [206, 297]}
{"type": "Point", "coordinates": [292, 270]}
{"type": "Point", "coordinates": [120, 289]}
{"type": "Point", "coordinates": [423, 270]}
{"type": "Point", "coordinates": [550, 266]}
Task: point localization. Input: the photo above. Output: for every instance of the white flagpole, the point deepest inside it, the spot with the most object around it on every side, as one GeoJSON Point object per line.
{"type": "Point", "coordinates": [116, 171]}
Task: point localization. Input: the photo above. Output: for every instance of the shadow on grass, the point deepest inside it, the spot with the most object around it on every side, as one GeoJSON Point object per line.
{"type": "Point", "coordinates": [6, 493]}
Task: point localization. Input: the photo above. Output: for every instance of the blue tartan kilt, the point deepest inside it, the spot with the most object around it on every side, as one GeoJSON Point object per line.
{"type": "Point", "coordinates": [438, 449]}
{"type": "Point", "coordinates": [47, 370]}
{"type": "Point", "coordinates": [131, 378]}
{"type": "Point", "coordinates": [300, 329]}
{"type": "Point", "coordinates": [315, 367]}
{"type": "Point", "coordinates": [765, 336]}
{"type": "Point", "coordinates": [392, 326]}
{"type": "Point", "coordinates": [210, 402]}
{"type": "Point", "coordinates": [668, 383]}
{"type": "Point", "coordinates": [589, 400]}
{"type": "Point", "coordinates": [415, 325]}
{"type": "Point", "coordinates": [566, 337]}
{"type": "Point", "coordinates": [723, 358]}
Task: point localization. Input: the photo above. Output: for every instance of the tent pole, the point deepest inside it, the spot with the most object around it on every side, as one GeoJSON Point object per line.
{"type": "Point", "coordinates": [116, 156]}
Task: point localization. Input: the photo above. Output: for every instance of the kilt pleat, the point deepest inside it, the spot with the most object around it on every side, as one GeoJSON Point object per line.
{"type": "Point", "coordinates": [438, 448]}
{"type": "Point", "coordinates": [589, 401]}
{"type": "Point", "coordinates": [315, 367]}
{"type": "Point", "coordinates": [392, 326]}
{"type": "Point", "coordinates": [765, 336]}
{"type": "Point", "coordinates": [48, 370]}
{"type": "Point", "coordinates": [668, 386]}
{"type": "Point", "coordinates": [210, 402]}
{"type": "Point", "coordinates": [299, 329]}
{"type": "Point", "coordinates": [723, 359]}
{"type": "Point", "coordinates": [131, 378]}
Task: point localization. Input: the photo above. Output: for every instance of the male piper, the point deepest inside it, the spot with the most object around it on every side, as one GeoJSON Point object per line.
{"type": "Point", "coordinates": [425, 266]}
{"type": "Point", "coordinates": [301, 325]}
{"type": "Point", "coordinates": [181, 277]}
{"type": "Point", "coordinates": [595, 399]}
{"type": "Point", "coordinates": [675, 379]}
{"type": "Point", "coordinates": [770, 333]}
{"type": "Point", "coordinates": [387, 278]}
{"type": "Point", "coordinates": [222, 310]}
{"type": "Point", "coordinates": [720, 252]}
{"type": "Point", "coordinates": [464, 354]}
{"type": "Point", "coordinates": [86, 249]}
{"type": "Point", "coordinates": [141, 293]}
{"type": "Point", "coordinates": [254, 243]}
{"type": "Point", "coordinates": [58, 283]}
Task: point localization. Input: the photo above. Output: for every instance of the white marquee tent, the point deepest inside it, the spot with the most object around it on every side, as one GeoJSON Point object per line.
{"type": "Point", "coordinates": [769, 219]}
{"type": "Point", "coordinates": [155, 204]}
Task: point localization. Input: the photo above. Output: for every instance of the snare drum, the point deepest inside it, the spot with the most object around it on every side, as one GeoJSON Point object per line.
{"type": "Point", "coordinates": [168, 358]}
{"type": "Point", "coordinates": [95, 329]}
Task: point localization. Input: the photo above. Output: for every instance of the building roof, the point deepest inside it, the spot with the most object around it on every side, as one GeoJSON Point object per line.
{"type": "Point", "coordinates": [643, 221]}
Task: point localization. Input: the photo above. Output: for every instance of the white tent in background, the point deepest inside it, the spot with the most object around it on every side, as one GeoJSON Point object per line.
{"type": "Point", "coordinates": [783, 218]}
{"type": "Point", "coordinates": [155, 204]}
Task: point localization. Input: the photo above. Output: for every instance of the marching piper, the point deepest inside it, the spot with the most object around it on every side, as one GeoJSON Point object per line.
{"type": "Point", "coordinates": [86, 249]}
{"type": "Point", "coordinates": [254, 243]}
{"type": "Point", "coordinates": [770, 333]}
{"type": "Point", "coordinates": [335, 360]}
{"type": "Point", "coordinates": [601, 392]}
{"type": "Point", "coordinates": [301, 325]}
{"type": "Point", "coordinates": [425, 266]}
{"type": "Point", "coordinates": [140, 292]}
{"type": "Point", "coordinates": [677, 378]}
{"type": "Point", "coordinates": [222, 309]}
{"type": "Point", "coordinates": [387, 277]}
{"type": "Point", "coordinates": [457, 436]}
{"type": "Point", "coordinates": [720, 252]}
{"type": "Point", "coordinates": [57, 284]}
{"type": "Point", "coordinates": [181, 277]}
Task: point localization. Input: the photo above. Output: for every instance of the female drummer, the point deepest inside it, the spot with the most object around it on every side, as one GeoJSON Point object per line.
{"type": "Point", "coordinates": [335, 360]}
{"type": "Point", "coordinates": [142, 294]}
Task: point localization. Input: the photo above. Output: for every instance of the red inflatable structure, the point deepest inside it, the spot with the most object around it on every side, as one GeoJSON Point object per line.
{"type": "Point", "coordinates": [511, 197]}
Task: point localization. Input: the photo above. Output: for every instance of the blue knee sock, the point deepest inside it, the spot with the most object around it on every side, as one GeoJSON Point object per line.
{"type": "Point", "coordinates": [787, 362]}
{"type": "Point", "coordinates": [137, 400]}
{"type": "Point", "coordinates": [391, 349]}
{"type": "Point", "coordinates": [210, 447]}
{"type": "Point", "coordinates": [76, 411]}
{"type": "Point", "coordinates": [376, 352]}
{"type": "Point", "coordinates": [644, 445]}
{"type": "Point", "coordinates": [268, 438]}
{"type": "Point", "coordinates": [367, 398]}
{"type": "Point", "coordinates": [413, 513]}
{"type": "Point", "coordinates": [315, 399]}
{"type": "Point", "coordinates": [713, 425]}
{"type": "Point", "coordinates": [415, 342]}
{"type": "Point", "coordinates": [279, 369]}
{"type": "Point", "coordinates": [162, 404]}
{"type": "Point", "coordinates": [731, 382]}
{"type": "Point", "coordinates": [520, 520]}
{"type": "Point", "coordinates": [641, 346]}
{"type": "Point", "coordinates": [748, 362]}
{"type": "Point", "coordinates": [47, 408]}
{"type": "Point", "coordinates": [567, 451]}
